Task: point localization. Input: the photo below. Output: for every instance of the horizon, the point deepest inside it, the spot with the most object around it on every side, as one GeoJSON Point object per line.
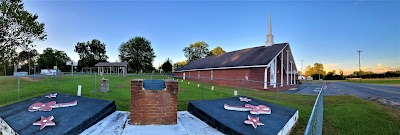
{"type": "Point", "coordinates": [316, 31]}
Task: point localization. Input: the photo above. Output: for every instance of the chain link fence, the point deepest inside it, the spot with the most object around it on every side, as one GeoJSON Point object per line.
{"type": "Point", "coordinates": [314, 126]}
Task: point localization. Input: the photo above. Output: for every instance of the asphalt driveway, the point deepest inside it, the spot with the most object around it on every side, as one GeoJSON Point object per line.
{"type": "Point", "coordinates": [364, 91]}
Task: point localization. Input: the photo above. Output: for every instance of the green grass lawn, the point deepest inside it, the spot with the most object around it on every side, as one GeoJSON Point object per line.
{"type": "Point", "coordinates": [377, 81]}
{"type": "Point", "coordinates": [342, 114]}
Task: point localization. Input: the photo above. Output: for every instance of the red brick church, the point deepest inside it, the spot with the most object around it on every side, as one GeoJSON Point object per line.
{"type": "Point", "coordinates": [271, 63]}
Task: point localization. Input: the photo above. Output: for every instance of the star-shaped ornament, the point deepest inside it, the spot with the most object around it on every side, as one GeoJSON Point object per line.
{"type": "Point", "coordinates": [43, 122]}
{"type": "Point", "coordinates": [49, 106]}
{"type": "Point", "coordinates": [259, 109]}
{"type": "Point", "coordinates": [253, 121]}
{"type": "Point", "coordinates": [245, 99]}
{"type": "Point", "coordinates": [51, 95]}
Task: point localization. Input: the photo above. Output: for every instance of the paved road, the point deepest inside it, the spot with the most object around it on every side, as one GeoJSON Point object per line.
{"type": "Point", "coordinates": [360, 90]}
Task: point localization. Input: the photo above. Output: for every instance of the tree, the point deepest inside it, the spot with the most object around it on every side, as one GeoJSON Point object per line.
{"type": "Point", "coordinates": [53, 57]}
{"type": "Point", "coordinates": [167, 66]}
{"type": "Point", "coordinates": [309, 71]}
{"type": "Point", "coordinates": [180, 64]}
{"type": "Point", "coordinates": [317, 71]}
{"type": "Point", "coordinates": [90, 53]}
{"type": "Point", "coordinates": [18, 27]}
{"type": "Point", "coordinates": [138, 53]}
{"type": "Point", "coordinates": [217, 51]}
{"type": "Point", "coordinates": [196, 51]}
{"type": "Point", "coordinates": [26, 58]}
{"type": "Point", "coordinates": [8, 58]}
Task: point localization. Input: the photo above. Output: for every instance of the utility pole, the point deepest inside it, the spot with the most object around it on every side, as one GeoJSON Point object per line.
{"type": "Point", "coordinates": [302, 73]}
{"type": "Point", "coordinates": [29, 62]}
{"type": "Point", "coordinates": [359, 63]}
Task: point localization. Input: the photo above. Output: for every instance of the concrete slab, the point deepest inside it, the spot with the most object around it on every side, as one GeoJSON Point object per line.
{"type": "Point", "coordinates": [280, 121]}
{"type": "Point", "coordinates": [70, 120]}
{"type": "Point", "coordinates": [117, 124]}
{"type": "Point", "coordinates": [111, 125]}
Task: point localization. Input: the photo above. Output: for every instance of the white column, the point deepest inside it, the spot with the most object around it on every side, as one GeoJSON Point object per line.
{"type": "Point", "coordinates": [184, 75]}
{"type": "Point", "coordinates": [266, 78]}
{"type": "Point", "coordinates": [281, 68]}
{"type": "Point", "coordinates": [275, 70]}
{"type": "Point", "coordinates": [294, 76]}
{"type": "Point", "coordinates": [291, 73]}
{"type": "Point", "coordinates": [287, 67]}
{"type": "Point", "coordinates": [271, 71]}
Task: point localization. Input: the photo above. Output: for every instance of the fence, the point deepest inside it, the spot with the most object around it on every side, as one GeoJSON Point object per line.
{"type": "Point", "coordinates": [314, 126]}
{"type": "Point", "coordinates": [18, 88]}
{"type": "Point", "coordinates": [14, 89]}
{"type": "Point", "coordinates": [243, 86]}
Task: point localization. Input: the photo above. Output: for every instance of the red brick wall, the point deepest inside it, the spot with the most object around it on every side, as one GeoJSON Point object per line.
{"type": "Point", "coordinates": [150, 107]}
{"type": "Point", "coordinates": [236, 75]}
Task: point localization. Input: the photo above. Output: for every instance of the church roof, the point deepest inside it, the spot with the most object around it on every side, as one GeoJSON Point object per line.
{"type": "Point", "coordinates": [256, 56]}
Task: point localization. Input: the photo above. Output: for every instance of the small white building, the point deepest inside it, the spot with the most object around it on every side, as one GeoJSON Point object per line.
{"type": "Point", "coordinates": [112, 68]}
{"type": "Point", "coordinates": [50, 71]}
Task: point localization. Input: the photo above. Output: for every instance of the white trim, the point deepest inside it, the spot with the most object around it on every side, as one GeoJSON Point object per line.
{"type": "Point", "coordinates": [287, 44]}
{"type": "Point", "coordinates": [291, 71]}
{"type": "Point", "coordinates": [224, 68]}
{"type": "Point", "coordinates": [290, 124]}
{"type": "Point", "coordinates": [287, 67]}
{"type": "Point", "coordinates": [281, 69]}
{"type": "Point", "coordinates": [276, 70]}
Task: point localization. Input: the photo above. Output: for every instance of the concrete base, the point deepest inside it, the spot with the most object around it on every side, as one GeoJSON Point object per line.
{"type": "Point", "coordinates": [280, 121]}
{"type": "Point", "coordinates": [117, 124]}
{"type": "Point", "coordinates": [69, 120]}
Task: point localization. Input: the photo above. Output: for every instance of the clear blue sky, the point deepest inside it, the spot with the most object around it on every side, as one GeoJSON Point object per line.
{"type": "Point", "coordinates": [325, 32]}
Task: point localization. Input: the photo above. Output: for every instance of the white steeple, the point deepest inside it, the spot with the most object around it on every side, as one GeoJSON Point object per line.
{"type": "Point", "coordinates": [270, 37]}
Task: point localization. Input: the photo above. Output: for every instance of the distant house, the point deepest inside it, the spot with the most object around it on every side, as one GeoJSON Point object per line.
{"type": "Point", "coordinates": [112, 68]}
{"type": "Point", "coordinates": [271, 63]}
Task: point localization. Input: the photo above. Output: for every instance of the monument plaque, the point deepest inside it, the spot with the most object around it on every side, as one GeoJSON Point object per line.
{"type": "Point", "coordinates": [153, 84]}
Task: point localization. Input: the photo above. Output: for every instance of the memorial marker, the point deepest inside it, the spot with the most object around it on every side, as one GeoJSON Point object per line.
{"type": "Point", "coordinates": [154, 84]}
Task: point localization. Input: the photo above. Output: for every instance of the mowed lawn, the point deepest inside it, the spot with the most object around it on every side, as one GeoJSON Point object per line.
{"type": "Point", "coordinates": [342, 114]}
{"type": "Point", "coordinates": [395, 81]}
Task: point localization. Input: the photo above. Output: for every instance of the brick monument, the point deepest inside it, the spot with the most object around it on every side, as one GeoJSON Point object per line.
{"type": "Point", "coordinates": [153, 102]}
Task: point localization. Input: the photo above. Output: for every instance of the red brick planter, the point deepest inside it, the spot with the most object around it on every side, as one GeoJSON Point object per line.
{"type": "Point", "coordinates": [153, 107]}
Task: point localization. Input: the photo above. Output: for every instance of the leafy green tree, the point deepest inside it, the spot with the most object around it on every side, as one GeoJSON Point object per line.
{"type": "Point", "coordinates": [180, 64]}
{"type": "Point", "coordinates": [196, 51]}
{"type": "Point", "coordinates": [167, 66]}
{"type": "Point", "coordinates": [26, 58]}
{"type": "Point", "coordinates": [217, 51]}
{"type": "Point", "coordinates": [316, 71]}
{"type": "Point", "coordinates": [8, 59]}
{"type": "Point", "coordinates": [18, 28]}
{"type": "Point", "coordinates": [138, 53]}
{"type": "Point", "coordinates": [90, 53]}
{"type": "Point", "coordinates": [53, 57]}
